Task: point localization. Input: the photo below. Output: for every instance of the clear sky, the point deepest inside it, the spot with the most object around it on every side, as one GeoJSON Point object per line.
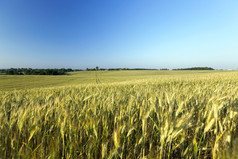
{"type": "Point", "coordinates": [119, 33]}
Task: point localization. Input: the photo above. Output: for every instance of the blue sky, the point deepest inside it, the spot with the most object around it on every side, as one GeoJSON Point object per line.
{"type": "Point", "coordinates": [119, 33]}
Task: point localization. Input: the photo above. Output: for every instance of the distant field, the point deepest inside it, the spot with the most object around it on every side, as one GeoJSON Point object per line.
{"type": "Point", "coordinates": [9, 82]}
{"type": "Point", "coordinates": [128, 115]}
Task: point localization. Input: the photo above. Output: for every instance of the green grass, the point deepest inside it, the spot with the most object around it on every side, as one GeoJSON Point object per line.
{"type": "Point", "coordinates": [10, 82]}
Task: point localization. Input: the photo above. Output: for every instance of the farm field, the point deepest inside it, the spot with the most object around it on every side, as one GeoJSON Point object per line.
{"type": "Point", "coordinates": [127, 114]}
{"type": "Point", "coordinates": [12, 82]}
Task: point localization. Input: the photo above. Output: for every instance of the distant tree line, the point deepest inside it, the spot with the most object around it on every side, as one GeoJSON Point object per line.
{"type": "Point", "coordinates": [63, 71]}
{"type": "Point", "coordinates": [30, 71]}
{"type": "Point", "coordinates": [195, 68]}
{"type": "Point", "coordinates": [116, 69]}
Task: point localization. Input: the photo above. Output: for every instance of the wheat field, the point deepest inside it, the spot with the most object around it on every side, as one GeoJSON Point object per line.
{"type": "Point", "coordinates": [182, 116]}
